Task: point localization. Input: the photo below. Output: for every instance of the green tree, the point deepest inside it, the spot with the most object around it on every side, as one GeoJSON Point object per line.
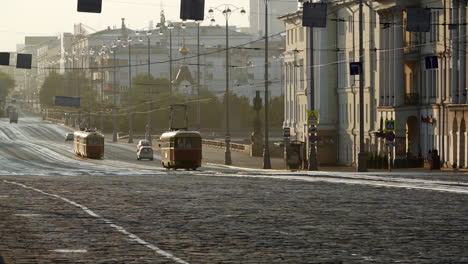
{"type": "Point", "coordinates": [6, 86]}
{"type": "Point", "coordinates": [276, 112]}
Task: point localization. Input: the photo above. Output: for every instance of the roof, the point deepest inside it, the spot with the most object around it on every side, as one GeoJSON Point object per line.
{"type": "Point", "coordinates": [180, 133]}
{"type": "Point", "coordinates": [183, 75]}
{"type": "Point", "coordinates": [87, 133]}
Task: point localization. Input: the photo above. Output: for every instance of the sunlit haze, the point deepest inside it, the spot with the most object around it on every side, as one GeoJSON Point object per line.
{"type": "Point", "coordinates": [22, 18]}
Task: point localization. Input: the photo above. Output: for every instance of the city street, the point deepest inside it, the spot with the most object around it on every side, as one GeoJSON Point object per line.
{"type": "Point", "coordinates": [58, 208]}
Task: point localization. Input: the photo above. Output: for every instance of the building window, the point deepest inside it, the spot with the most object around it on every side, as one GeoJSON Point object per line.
{"type": "Point", "coordinates": [342, 75]}
{"type": "Point", "coordinates": [341, 26]}
{"type": "Point", "coordinates": [351, 24]}
{"type": "Point", "coordinates": [301, 74]}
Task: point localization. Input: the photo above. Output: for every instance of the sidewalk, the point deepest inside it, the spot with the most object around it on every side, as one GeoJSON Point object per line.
{"type": "Point", "coordinates": [240, 159]}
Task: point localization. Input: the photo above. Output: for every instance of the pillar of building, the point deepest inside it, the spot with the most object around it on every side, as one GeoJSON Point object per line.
{"type": "Point", "coordinates": [458, 149]}
{"type": "Point", "coordinates": [465, 164]}
{"type": "Point", "coordinates": [382, 69]}
{"type": "Point", "coordinates": [391, 63]}
{"type": "Point", "coordinates": [399, 69]}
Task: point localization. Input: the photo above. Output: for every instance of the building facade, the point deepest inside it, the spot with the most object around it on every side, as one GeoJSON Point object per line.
{"type": "Point", "coordinates": [336, 92]}
{"type": "Point", "coordinates": [429, 105]}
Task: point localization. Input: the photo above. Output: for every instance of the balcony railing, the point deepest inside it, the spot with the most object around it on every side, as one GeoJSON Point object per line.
{"type": "Point", "coordinates": [411, 99]}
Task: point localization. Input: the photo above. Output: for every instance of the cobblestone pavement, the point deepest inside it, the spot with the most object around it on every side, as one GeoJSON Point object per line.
{"type": "Point", "coordinates": [204, 219]}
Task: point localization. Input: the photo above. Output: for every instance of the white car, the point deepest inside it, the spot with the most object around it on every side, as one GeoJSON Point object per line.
{"type": "Point", "coordinates": [145, 152]}
{"type": "Point", "coordinates": [143, 143]}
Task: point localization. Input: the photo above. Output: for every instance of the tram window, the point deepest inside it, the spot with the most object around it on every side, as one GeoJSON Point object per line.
{"type": "Point", "coordinates": [187, 143]}
{"type": "Point", "coordinates": [95, 141]}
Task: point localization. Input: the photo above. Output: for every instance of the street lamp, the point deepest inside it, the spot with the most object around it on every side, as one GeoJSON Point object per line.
{"type": "Point", "coordinates": [150, 87]}
{"type": "Point", "coordinates": [114, 116]}
{"type": "Point", "coordinates": [130, 101]}
{"type": "Point", "coordinates": [226, 11]}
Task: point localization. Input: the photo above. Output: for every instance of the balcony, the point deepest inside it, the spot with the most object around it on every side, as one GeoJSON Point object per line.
{"type": "Point", "coordinates": [411, 99]}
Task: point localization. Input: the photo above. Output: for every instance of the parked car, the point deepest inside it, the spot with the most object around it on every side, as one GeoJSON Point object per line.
{"type": "Point", "coordinates": [143, 143]}
{"type": "Point", "coordinates": [68, 136]}
{"type": "Point", "coordinates": [145, 152]}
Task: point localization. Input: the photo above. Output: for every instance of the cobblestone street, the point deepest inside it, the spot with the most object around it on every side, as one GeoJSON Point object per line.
{"type": "Point", "coordinates": [202, 219]}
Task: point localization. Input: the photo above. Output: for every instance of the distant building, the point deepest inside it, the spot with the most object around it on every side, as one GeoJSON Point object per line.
{"type": "Point", "coordinates": [275, 9]}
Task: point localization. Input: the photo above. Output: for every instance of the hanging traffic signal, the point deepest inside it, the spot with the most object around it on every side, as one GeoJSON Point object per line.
{"type": "Point", "coordinates": [90, 6]}
{"type": "Point", "coordinates": [418, 20]}
{"type": "Point", "coordinates": [5, 58]}
{"type": "Point", "coordinates": [23, 61]}
{"type": "Point", "coordinates": [192, 10]}
{"type": "Point", "coordinates": [314, 15]}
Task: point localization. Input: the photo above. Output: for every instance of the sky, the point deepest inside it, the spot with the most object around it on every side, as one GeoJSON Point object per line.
{"type": "Point", "coordinates": [22, 18]}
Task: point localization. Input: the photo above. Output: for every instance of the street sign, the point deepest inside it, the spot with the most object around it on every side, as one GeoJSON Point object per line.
{"type": "Point", "coordinates": [312, 138]}
{"type": "Point", "coordinates": [67, 101]}
{"type": "Point", "coordinates": [431, 62]}
{"type": "Point", "coordinates": [312, 117]}
{"type": "Point", "coordinates": [390, 126]}
{"type": "Point", "coordinates": [355, 68]}
{"type": "Point", "coordinates": [390, 136]}
{"type": "Point", "coordinates": [286, 132]}
{"type": "Point", "coordinates": [312, 129]}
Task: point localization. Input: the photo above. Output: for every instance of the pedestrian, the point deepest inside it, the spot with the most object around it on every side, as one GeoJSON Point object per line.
{"type": "Point", "coordinates": [429, 158]}
{"type": "Point", "coordinates": [435, 160]}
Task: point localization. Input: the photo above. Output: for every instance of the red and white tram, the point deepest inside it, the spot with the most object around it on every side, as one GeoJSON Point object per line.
{"type": "Point", "coordinates": [89, 144]}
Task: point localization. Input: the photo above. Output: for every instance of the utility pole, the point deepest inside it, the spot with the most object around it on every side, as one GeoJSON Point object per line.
{"type": "Point", "coordinates": [266, 147]}
{"type": "Point", "coordinates": [198, 77]}
{"type": "Point", "coordinates": [101, 116]}
{"type": "Point", "coordinates": [312, 160]}
{"type": "Point", "coordinates": [227, 139]}
{"type": "Point", "coordinates": [150, 91]}
{"type": "Point", "coordinates": [114, 116]}
{"type": "Point", "coordinates": [362, 156]}
{"type": "Point", "coordinates": [130, 100]}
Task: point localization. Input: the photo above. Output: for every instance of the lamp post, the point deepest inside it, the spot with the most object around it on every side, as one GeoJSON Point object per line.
{"type": "Point", "coordinates": [130, 101]}
{"type": "Point", "coordinates": [150, 87]}
{"type": "Point", "coordinates": [170, 27]}
{"type": "Point", "coordinates": [114, 112]}
{"type": "Point", "coordinates": [226, 11]}
{"type": "Point", "coordinates": [101, 116]}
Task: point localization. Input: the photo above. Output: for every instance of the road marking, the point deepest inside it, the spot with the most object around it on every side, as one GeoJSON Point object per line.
{"type": "Point", "coordinates": [69, 250]}
{"type": "Point", "coordinates": [27, 215]}
{"type": "Point", "coordinates": [122, 230]}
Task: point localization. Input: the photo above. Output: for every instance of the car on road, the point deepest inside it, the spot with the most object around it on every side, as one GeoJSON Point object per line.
{"type": "Point", "coordinates": [143, 143]}
{"type": "Point", "coordinates": [145, 152]}
{"type": "Point", "coordinates": [68, 136]}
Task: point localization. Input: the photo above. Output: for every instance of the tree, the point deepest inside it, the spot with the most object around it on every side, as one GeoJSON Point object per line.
{"type": "Point", "coordinates": [6, 86]}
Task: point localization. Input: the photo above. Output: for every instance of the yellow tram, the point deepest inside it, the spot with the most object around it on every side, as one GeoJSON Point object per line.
{"type": "Point", "coordinates": [181, 149]}
{"type": "Point", "coordinates": [89, 144]}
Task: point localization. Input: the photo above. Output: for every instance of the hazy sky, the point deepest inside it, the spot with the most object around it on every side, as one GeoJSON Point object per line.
{"type": "Point", "coordinates": [22, 18]}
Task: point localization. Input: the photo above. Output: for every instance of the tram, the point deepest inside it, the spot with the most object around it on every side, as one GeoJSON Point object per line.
{"type": "Point", "coordinates": [89, 144]}
{"type": "Point", "coordinates": [181, 149]}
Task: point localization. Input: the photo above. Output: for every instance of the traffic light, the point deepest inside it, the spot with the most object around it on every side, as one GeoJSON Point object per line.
{"type": "Point", "coordinates": [192, 9]}
{"type": "Point", "coordinates": [90, 6]}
